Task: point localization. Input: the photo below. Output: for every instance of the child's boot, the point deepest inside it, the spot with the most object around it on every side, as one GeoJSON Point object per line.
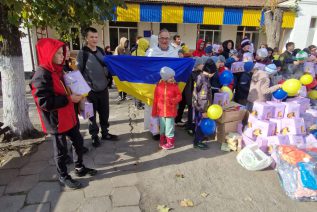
{"type": "Point", "coordinates": [170, 143]}
{"type": "Point", "coordinates": [162, 140]}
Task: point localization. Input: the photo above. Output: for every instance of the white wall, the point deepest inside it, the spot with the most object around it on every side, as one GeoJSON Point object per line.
{"type": "Point", "coordinates": [300, 32]}
{"type": "Point", "coordinates": [188, 33]}
{"type": "Point", "coordinates": [229, 32]}
{"type": "Point", "coordinates": [26, 52]}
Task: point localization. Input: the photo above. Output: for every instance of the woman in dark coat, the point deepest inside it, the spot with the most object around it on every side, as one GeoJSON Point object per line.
{"type": "Point", "coordinates": [227, 45]}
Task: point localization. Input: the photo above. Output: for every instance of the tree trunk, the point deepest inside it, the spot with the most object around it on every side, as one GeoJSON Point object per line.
{"type": "Point", "coordinates": [15, 107]}
{"type": "Point", "coordinates": [273, 23]}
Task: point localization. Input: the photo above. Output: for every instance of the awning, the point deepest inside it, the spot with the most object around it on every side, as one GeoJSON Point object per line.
{"type": "Point", "coordinates": [195, 14]}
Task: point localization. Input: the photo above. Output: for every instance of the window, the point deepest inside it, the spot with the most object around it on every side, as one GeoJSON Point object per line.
{"type": "Point", "coordinates": [169, 27]}
{"type": "Point", "coordinates": [250, 32]}
{"type": "Point", "coordinates": [41, 33]}
{"type": "Point", "coordinates": [210, 33]}
{"type": "Point", "coordinates": [313, 23]}
{"type": "Point", "coordinates": [75, 43]}
{"type": "Point", "coordinates": [118, 30]}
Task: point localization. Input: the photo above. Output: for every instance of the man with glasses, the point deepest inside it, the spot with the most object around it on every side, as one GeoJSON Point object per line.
{"type": "Point", "coordinates": [163, 49]}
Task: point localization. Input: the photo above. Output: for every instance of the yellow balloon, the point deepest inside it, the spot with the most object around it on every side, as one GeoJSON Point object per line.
{"type": "Point", "coordinates": [312, 94]}
{"type": "Point", "coordinates": [291, 86]}
{"type": "Point", "coordinates": [306, 79]}
{"type": "Point", "coordinates": [214, 112]}
{"type": "Point", "coordinates": [228, 90]}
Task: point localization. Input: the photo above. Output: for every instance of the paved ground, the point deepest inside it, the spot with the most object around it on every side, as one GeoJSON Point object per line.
{"type": "Point", "coordinates": [134, 175]}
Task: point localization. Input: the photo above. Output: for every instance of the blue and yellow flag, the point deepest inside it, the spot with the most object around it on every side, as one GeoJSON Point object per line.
{"type": "Point", "coordinates": [138, 76]}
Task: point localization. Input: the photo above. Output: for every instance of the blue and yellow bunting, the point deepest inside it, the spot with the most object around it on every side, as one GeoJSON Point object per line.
{"type": "Point", "coordinates": [197, 15]}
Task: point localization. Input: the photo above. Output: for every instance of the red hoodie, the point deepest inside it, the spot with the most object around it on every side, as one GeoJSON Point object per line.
{"type": "Point", "coordinates": [55, 107]}
{"type": "Point", "coordinates": [199, 52]}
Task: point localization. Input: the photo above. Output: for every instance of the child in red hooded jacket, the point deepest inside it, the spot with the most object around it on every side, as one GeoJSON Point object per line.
{"type": "Point", "coordinates": [166, 97]}
{"type": "Point", "coordinates": [56, 109]}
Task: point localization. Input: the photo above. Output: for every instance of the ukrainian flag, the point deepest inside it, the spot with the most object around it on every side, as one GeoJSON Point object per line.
{"type": "Point", "coordinates": [138, 76]}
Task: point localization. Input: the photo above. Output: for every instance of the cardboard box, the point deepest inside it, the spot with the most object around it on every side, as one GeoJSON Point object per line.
{"type": "Point", "coordinates": [279, 109]}
{"type": "Point", "coordinates": [262, 110]}
{"type": "Point", "coordinates": [230, 115]}
{"type": "Point", "coordinates": [249, 133]}
{"type": "Point", "coordinates": [304, 103]}
{"type": "Point", "coordinates": [237, 67]}
{"type": "Point", "coordinates": [297, 140]}
{"type": "Point", "coordinates": [292, 110]}
{"type": "Point", "coordinates": [313, 112]}
{"type": "Point", "coordinates": [225, 128]}
{"type": "Point", "coordinates": [87, 110]}
{"type": "Point", "coordinates": [293, 126]}
{"type": "Point", "coordinates": [221, 99]}
{"type": "Point", "coordinates": [311, 141]}
{"type": "Point", "coordinates": [278, 122]}
{"type": "Point", "coordinates": [309, 120]}
{"type": "Point", "coordinates": [263, 128]}
{"type": "Point", "coordinates": [276, 140]}
{"type": "Point", "coordinates": [246, 140]}
{"type": "Point", "coordinates": [262, 143]}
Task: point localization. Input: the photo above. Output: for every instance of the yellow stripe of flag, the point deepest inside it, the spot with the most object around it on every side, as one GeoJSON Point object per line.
{"type": "Point", "coordinates": [172, 14]}
{"type": "Point", "coordinates": [251, 18]}
{"type": "Point", "coordinates": [213, 16]}
{"type": "Point", "coordinates": [288, 20]}
{"type": "Point", "coordinates": [131, 14]}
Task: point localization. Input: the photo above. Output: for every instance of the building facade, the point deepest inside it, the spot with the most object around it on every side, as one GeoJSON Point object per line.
{"type": "Point", "coordinates": [213, 21]}
{"type": "Point", "coordinates": [304, 32]}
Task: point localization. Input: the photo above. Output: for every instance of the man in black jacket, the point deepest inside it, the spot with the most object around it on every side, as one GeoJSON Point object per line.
{"type": "Point", "coordinates": [90, 63]}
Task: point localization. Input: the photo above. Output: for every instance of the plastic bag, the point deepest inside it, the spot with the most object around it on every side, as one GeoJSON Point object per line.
{"type": "Point", "coordinates": [253, 159]}
{"type": "Point", "coordinates": [297, 172]}
{"type": "Point", "coordinates": [307, 174]}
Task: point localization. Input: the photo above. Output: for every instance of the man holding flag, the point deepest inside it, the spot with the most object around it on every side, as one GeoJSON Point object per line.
{"type": "Point", "coordinates": [138, 76]}
{"type": "Point", "coordinates": [162, 50]}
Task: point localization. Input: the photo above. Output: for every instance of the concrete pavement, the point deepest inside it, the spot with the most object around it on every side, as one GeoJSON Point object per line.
{"type": "Point", "coordinates": [135, 175]}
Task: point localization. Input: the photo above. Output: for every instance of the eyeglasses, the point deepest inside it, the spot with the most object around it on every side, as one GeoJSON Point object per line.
{"type": "Point", "coordinates": [162, 38]}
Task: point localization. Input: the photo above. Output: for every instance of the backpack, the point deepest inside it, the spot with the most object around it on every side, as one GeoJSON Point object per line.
{"type": "Point", "coordinates": [86, 52]}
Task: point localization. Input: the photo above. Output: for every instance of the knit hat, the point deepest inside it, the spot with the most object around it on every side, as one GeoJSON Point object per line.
{"type": "Point", "coordinates": [210, 66]}
{"type": "Point", "coordinates": [198, 61]}
{"type": "Point", "coordinates": [167, 73]}
{"type": "Point", "coordinates": [229, 62]}
{"type": "Point", "coordinates": [221, 59]}
{"type": "Point", "coordinates": [214, 58]}
{"type": "Point", "coordinates": [271, 68]}
{"type": "Point", "coordinates": [248, 66]}
{"type": "Point", "coordinates": [301, 55]}
{"type": "Point", "coordinates": [245, 42]}
{"type": "Point", "coordinates": [262, 53]}
{"type": "Point", "coordinates": [208, 49]}
{"type": "Point", "coordinates": [205, 58]}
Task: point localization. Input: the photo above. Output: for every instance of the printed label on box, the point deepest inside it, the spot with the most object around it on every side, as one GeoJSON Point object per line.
{"type": "Point", "coordinates": [293, 126]}
{"type": "Point", "coordinates": [262, 111]}
{"type": "Point", "coordinates": [292, 110]}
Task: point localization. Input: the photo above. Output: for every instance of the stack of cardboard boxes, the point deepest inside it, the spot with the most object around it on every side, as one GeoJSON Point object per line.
{"type": "Point", "coordinates": [233, 114]}
{"type": "Point", "coordinates": [277, 123]}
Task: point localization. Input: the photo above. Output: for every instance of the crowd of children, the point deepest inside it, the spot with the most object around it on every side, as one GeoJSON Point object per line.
{"type": "Point", "coordinates": [262, 73]}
